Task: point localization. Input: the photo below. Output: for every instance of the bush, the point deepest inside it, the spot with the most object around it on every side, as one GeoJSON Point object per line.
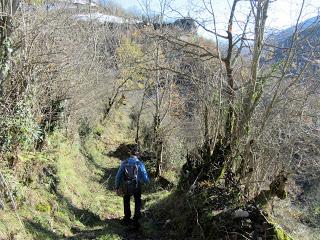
{"type": "Point", "coordinates": [85, 128]}
{"type": "Point", "coordinates": [174, 154]}
{"type": "Point", "coordinates": [19, 129]}
{"type": "Point", "coordinates": [43, 207]}
{"type": "Point", "coordinates": [317, 211]}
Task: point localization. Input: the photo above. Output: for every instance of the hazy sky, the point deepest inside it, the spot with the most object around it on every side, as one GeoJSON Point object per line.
{"type": "Point", "coordinates": [282, 13]}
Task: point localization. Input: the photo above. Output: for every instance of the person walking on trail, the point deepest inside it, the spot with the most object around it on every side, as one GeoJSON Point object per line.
{"type": "Point", "coordinates": [131, 174]}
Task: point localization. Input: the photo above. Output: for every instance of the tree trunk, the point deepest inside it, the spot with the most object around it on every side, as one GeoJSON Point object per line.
{"type": "Point", "coordinates": [159, 155]}
{"type": "Point", "coordinates": [156, 120]}
{"type": "Point", "coordinates": [139, 116]}
{"type": "Point", "coordinates": [8, 9]}
{"type": "Point", "coordinates": [207, 142]}
{"type": "Point", "coordinates": [5, 49]}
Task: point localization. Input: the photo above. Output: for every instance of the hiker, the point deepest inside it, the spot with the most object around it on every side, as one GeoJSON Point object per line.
{"type": "Point", "coordinates": [131, 174]}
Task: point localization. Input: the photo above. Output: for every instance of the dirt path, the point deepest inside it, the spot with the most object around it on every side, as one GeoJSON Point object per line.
{"type": "Point", "coordinates": [108, 224]}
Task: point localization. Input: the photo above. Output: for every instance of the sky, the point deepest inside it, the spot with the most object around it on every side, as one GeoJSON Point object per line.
{"type": "Point", "coordinates": [282, 13]}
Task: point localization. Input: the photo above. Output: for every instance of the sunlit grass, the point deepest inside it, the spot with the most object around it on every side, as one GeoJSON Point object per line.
{"type": "Point", "coordinates": [85, 198]}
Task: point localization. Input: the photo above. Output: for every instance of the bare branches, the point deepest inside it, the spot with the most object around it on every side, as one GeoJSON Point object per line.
{"type": "Point", "coordinates": [284, 70]}
{"type": "Point", "coordinates": [183, 44]}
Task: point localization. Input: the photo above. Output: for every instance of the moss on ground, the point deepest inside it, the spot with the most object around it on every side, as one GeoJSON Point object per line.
{"type": "Point", "coordinates": [281, 234]}
{"type": "Point", "coordinates": [76, 199]}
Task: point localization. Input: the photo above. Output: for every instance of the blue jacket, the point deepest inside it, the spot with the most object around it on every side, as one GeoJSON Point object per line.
{"type": "Point", "coordinates": [142, 172]}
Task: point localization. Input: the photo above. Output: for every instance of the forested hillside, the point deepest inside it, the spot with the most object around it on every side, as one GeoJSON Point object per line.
{"type": "Point", "coordinates": [230, 140]}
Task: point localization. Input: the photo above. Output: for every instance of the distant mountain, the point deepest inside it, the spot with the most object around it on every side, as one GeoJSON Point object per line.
{"type": "Point", "coordinates": [303, 26]}
{"type": "Point", "coordinates": [306, 44]}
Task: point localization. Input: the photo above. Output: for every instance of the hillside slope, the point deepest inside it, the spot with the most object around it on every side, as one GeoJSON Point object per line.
{"type": "Point", "coordinates": [306, 44]}
{"type": "Point", "coordinates": [76, 199]}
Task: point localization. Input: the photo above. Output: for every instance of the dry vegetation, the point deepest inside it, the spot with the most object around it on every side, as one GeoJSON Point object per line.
{"type": "Point", "coordinates": [235, 127]}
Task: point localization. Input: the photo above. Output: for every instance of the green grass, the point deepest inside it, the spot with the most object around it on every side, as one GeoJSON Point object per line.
{"type": "Point", "coordinates": [317, 210]}
{"type": "Point", "coordinates": [83, 202]}
{"type": "Point", "coordinates": [110, 237]}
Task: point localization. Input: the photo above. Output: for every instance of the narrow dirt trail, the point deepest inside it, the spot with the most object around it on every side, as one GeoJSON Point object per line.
{"type": "Point", "coordinates": [108, 224]}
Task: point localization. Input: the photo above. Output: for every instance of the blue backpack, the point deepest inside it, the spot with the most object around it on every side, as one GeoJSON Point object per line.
{"type": "Point", "coordinates": [131, 182]}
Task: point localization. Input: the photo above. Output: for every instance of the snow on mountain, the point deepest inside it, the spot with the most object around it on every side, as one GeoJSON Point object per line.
{"type": "Point", "coordinates": [84, 2]}
{"type": "Point", "coordinates": [102, 18]}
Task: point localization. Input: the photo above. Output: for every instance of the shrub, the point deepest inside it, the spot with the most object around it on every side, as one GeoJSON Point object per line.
{"type": "Point", "coordinates": [85, 128]}
{"type": "Point", "coordinates": [43, 207]}
{"type": "Point", "coordinates": [19, 129]}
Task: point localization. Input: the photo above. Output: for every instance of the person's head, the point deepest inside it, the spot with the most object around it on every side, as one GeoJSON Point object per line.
{"type": "Point", "coordinates": [134, 150]}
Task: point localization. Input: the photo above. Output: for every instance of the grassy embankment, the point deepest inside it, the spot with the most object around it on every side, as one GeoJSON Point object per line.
{"type": "Point", "coordinates": [70, 191]}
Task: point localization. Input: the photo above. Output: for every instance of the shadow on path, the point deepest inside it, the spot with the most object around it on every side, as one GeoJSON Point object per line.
{"type": "Point", "coordinates": [89, 157]}
{"type": "Point", "coordinates": [101, 228]}
{"type": "Point", "coordinates": [110, 227]}
{"type": "Point", "coordinates": [122, 152]}
{"type": "Point", "coordinates": [108, 178]}
{"type": "Point", "coordinates": [40, 230]}
{"type": "Point", "coordinates": [85, 216]}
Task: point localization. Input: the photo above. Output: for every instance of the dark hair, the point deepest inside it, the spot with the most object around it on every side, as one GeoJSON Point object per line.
{"type": "Point", "coordinates": [133, 149]}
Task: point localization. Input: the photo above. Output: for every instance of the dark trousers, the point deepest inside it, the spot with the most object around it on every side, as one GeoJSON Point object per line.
{"type": "Point", "coordinates": [137, 204]}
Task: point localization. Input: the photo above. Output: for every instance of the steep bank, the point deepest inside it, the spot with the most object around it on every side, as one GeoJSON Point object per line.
{"type": "Point", "coordinates": [73, 197]}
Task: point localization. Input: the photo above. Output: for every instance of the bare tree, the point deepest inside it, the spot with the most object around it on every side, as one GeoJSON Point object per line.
{"type": "Point", "coordinates": [242, 88]}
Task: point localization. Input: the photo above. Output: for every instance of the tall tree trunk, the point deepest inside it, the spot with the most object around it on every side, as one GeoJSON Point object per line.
{"type": "Point", "coordinates": [8, 8]}
{"type": "Point", "coordinates": [156, 118]}
{"type": "Point", "coordinates": [207, 141]}
{"type": "Point", "coordinates": [159, 154]}
{"type": "Point", "coordinates": [5, 49]}
{"type": "Point", "coordinates": [139, 115]}
{"type": "Point", "coordinates": [222, 153]}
